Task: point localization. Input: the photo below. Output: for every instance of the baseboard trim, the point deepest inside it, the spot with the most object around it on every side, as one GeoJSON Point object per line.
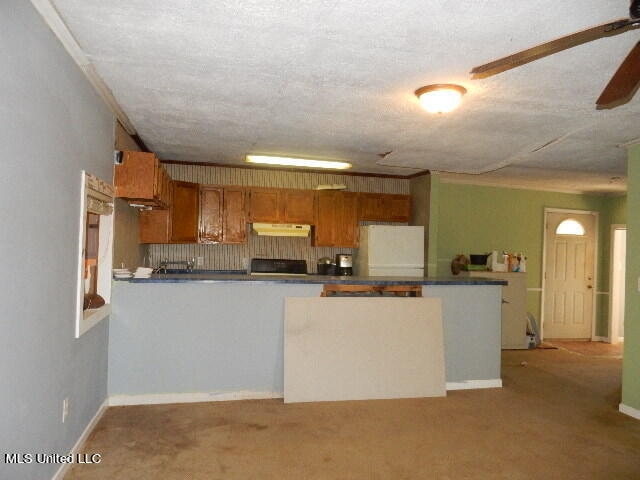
{"type": "Point", "coordinates": [161, 398]}
{"type": "Point", "coordinates": [62, 471]}
{"type": "Point", "coordinates": [600, 339]}
{"type": "Point", "coordinates": [627, 410]}
{"type": "Point", "coordinates": [473, 384]}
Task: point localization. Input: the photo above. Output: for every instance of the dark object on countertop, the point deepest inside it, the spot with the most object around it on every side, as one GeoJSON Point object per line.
{"type": "Point", "coordinates": [278, 266]}
{"type": "Point", "coordinates": [459, 263]}
{"type": "Point", "coordinates": [325, 267]}
{"type": "Point", "coordinates": [92, 300]}
{"type": "Point", "coordinates": [477, 259]}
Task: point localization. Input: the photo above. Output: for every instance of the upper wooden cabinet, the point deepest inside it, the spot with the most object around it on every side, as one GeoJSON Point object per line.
{"type": "Point", "coordinates": [298, 206]}
{"type": "Point", "coordinates": [234, 218]}
{"type": "Point", "coordinates": [264, 205]}
{"type": "Point", "coordinates": [141, 179]}
{"type": "Point", "coordinates": [222, 215]}
{"type": "Point", "coordinates": [155, 226]}
{"type": "Point", "coordinates": [278, 205]}
{"type": "Point", "coordinates": [384, 207]}
{"type": "Point", "coordinates": [336, 219]}
{"type": "Point", "coordinates": [184, 212]}
{"type": "Point", "coordinates": [210, 214]}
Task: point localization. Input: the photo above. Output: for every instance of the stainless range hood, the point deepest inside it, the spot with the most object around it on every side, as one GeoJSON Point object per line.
{"type": "Point", "coordinates": [281, 229]}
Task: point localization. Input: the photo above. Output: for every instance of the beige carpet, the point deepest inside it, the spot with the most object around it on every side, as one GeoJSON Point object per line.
{"type": "Point", "coordinates": [590, 349]}
{"type": "Point", "coordinates": [555, 418]}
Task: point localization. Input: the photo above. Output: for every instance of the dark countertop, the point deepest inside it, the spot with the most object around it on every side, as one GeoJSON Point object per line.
{"type": "Point", "coordinates": [214, 277]}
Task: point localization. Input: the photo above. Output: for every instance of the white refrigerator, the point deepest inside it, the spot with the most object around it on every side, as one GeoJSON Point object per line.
{"type": "Point", "coordinates": [387, 250]}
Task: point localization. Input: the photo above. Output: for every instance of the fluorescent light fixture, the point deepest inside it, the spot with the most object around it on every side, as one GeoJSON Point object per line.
{"type": "Point", "coordinates": [441, 97]}
{"type": "Point", "coordinates": [297, 162]}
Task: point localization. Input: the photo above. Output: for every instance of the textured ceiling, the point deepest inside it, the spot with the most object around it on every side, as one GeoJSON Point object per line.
{"type": "Point", "coordinates": [213, 81]}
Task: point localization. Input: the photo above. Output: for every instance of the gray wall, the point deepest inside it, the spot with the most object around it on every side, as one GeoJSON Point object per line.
{"type": "Point", "coordinates": [52, 125]}
{"type": "Point", "coordinates": [181, 338]}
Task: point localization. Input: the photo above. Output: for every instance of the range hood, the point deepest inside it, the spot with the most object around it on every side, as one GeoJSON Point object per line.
{"type": "Point", "coordinates": [281, 229]}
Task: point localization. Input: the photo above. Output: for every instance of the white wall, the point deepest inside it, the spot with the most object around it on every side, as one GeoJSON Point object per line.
{"type": "Point", "coordinates": [52, 125]}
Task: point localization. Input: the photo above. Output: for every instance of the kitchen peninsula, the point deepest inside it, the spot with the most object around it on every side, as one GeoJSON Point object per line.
{"type": "Point", "coordinates": [199, 337]}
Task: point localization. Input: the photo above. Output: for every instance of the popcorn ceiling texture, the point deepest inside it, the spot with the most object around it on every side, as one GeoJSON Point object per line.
{"type": "Point", "coordinates": [213, 81]}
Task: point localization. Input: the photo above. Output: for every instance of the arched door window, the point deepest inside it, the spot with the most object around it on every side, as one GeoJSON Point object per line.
{"type": "Point", "coordinates": [570, 227]}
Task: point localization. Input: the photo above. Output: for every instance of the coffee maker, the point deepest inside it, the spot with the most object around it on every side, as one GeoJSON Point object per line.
{"type": "Point", "coordinates": [344, 264]}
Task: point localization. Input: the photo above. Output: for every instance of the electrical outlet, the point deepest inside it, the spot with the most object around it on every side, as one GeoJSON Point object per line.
{"type": "Point", "coordinates": [245, 263]}
{"type": "Point", "coordinates": [65, 409]}
{"type": "Point", "coordinates": [199, 261]}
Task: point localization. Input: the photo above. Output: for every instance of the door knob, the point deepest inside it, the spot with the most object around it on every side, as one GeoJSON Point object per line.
{"type": "Point", "coordinates": [589, 286]}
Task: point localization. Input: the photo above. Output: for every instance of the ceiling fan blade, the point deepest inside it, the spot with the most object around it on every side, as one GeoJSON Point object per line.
{"type": "Point", "coordinates": [554, 46]}
{"type": "Point", "coordinates": [624, 82]}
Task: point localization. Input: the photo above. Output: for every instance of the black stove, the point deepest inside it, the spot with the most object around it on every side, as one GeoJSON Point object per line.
{"type": "Point", "coordinates": [278, 266]}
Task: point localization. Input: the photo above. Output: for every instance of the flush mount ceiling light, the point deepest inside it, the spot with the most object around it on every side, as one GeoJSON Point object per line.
{"type": "Point", "coordinates": [297, 162]}
{"type": "Point", "coordinates": [440, 97]}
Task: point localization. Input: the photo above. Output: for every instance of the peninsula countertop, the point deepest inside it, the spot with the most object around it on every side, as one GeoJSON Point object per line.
{"type": "Point", "coordinates": [234, 276]}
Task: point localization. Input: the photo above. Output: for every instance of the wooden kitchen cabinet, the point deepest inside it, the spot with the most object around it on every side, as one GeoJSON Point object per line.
{"type": "Point", "coordinates": [210, 230]}
{"type": "Point", "coordinates": [234, 218]}
{"type": "Point", "coordinates": [336, 220]}
{"type": "Point", "coordinates": [222, 215]}
{"type": "Point", "coordinates": [142, 180]}
{"type": "Point", "coordinates": [384, 207]}
{"type": "Point", "coordinates": [184, 212]}
{"type": "Point", "coordinates": [298, 206]}
{"type": "Point", "coordinates": [155, 226]}
{"type": "Point", "coordinates": [264, 205]}
{"type": "Point", "coordinates": [280, 205]}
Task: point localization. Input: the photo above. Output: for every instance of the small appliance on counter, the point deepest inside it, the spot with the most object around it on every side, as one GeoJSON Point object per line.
{"type": "Point", "coordinates": [344, 264]}
{"type": "Point", "coordinates": [325, 266]}
{"type": "Point", "coordinates": [278, 266]}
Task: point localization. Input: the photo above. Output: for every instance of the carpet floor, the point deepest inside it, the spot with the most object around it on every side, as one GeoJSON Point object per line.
{"type": "Point", "coordinates": [592, 349]}
{"type": "Point", "coordinates": [556, 417]}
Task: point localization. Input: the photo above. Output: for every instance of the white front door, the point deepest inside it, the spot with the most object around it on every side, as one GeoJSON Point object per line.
{"type": "Point", "coordinates": [569, 275]}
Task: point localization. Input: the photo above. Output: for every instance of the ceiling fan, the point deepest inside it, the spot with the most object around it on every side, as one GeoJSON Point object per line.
{"type": "Point", "coordinates": [622, 85]}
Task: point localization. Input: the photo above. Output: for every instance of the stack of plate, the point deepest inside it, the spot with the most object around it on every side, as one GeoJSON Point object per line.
{"type": "Point", "coordinates": [122, 273]}
{"type": "Point", "coordinates": [143, 272]}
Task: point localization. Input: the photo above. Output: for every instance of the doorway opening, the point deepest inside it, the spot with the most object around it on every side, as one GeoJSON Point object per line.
{"type": "Point", "coordinates": [617, 282]}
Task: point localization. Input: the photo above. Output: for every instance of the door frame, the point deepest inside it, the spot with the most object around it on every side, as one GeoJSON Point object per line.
{"type": "Point", "coordinates": [613, 324]}
{"type": "Point", "coordinates": [595, 263]}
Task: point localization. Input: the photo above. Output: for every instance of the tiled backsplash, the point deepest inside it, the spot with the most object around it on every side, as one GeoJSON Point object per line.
{"type": "Point", "coordinates": [234, 257]}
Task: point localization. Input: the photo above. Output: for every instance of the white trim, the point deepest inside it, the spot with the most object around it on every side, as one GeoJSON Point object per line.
{"type": "Point", "coordinates": [476, 179]}
{"type": "Point", "coordinates": [610, 320]}
{"type": "Point", "coordinates": [195, 397]}
{"type": "Point", "coordinates": [473, 384]}
{"type": "Point", "coordinates": [59, 475]}
{"type": "Point", "coordinates": [534, 289]}
{"type": "Point", "coordinates": [544, 262]}
{"type": "Point", "coordinates": [627, 410]}
{"type": "Point", "coordinates": [600, 339]}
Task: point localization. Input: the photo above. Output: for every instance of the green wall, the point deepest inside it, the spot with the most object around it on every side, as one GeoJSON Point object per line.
{"type": "Point", "coordinates": [631, 362]}
{"type": "Point", "coordinates": [479, 219]}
